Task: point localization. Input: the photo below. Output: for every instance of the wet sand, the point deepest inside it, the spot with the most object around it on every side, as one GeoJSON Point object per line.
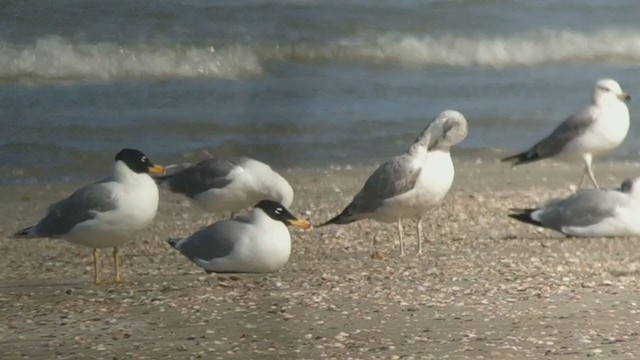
{"type": "Point", "coordinates": [486, 287]}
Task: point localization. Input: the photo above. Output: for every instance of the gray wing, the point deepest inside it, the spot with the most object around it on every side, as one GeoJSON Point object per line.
{"type": "Point", "coordinates": [568, 130]}
{"type": "Point", "coordinates": [207, 174]}
{"type": "Point", "coordinates": [82, 205]}
{"type": "Point", "coordinates": [586, 207]}
{"type": "Point", "coordinates": [393, 178]}
{"type": "Point", "coordinates": [214, 241]}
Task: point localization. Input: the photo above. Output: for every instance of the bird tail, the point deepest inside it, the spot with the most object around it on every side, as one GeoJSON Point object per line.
{"type": "Point", "coordinates": [170, 171]}
{"type": "Point", "coordinates": [345, 217]}
{"type": "Point", "coordinates": [160, 180]}
{"type": "Point", "coordinates": [28, 232]}
{"type": "Point", "coordinates": [522, 158]}
{"type": "Point", "coordinates": [524, 215]}
{"type": "Point", "coordinates": [173, 242]}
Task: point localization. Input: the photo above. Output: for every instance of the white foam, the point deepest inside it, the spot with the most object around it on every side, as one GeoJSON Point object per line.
{"type": "Point", "coordinates": [55, 58]}
{"type": "Point", "coordinates": [531, 49]}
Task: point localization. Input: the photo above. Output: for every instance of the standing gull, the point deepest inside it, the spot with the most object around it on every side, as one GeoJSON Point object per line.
{"type": "Point", "coordinates": [410, 184]}
{"type": "Point", "coordinates": [257, 243]}
{"type": "Point", "coordinates": [106, 213]}
{"type": "Point", "coordinates": [597, 129]}
{"type": "Point", "coordinates": [590, 212]}
{"type": "Point", "coordinates": [229, 184]}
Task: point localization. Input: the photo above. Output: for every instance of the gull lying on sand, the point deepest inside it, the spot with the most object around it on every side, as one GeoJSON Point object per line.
{"type": "Point", "coordinates": [599, 128]}
{"type": "Point", "coordinates": [410, 184]}
{"type": "Point", "coordinates": [228, 184]}
{"type": "Point", "coordinates": [106, 213]}
{"type": "Point", "coordinates": [257, 243]}
{"type": "Point", "coordinates": [590, 212]}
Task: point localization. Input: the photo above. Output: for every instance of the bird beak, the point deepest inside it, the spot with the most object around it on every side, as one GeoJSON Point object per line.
{"type": "Point", "coordinates": [156, 170]}
{"type": "Point", "coordinates": [303, 224]}
{"type": "Point", "coordinates": [624, 96]}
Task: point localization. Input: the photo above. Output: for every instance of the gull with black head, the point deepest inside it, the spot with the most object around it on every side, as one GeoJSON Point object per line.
{"type": "Point", "coordinates": [257, 243]}
{"type": "Point", "coordinates": [408, 185]}
{"type": "Point", "coordinates": [105, 213]}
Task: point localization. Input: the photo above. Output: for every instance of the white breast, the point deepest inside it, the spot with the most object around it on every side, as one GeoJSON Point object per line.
{"type": "Point", "coordinates": [137, 204]}
{"type": "Point", "coordinates": [264, 245]}
{"type": "Point", "coordinates": [431, 187]}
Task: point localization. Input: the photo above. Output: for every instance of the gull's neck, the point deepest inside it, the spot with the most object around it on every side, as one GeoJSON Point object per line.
{"type": "Point", "coordinates": [122, 173]}
{"type": "Point", "coordinates": [419, 147]}
{"type": "Point", "coordinates": [257, 216]}
{"type": "Point", "coordinates": [603, 99]}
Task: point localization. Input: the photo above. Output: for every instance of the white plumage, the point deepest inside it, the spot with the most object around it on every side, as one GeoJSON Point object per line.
{"type": "Point", "coordinates": [228, 184]}
{"type": "Point", "coordinates": [257, 243]}
{"type": "Point", "coordinates": [106, 213]}
{"type": "Point", "coordinates": [409, 185]}
{"type": "Point", "coordinates": [596, 130]}
{"type": "Point", "coordinates": [590, 212]}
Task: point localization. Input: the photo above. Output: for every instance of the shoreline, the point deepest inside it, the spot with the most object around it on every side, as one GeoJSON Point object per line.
{"type": "Point", "coordinates": [486, 287]}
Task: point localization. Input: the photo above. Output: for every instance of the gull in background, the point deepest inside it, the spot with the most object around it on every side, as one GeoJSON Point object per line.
{"type": "Point", "coordinates": [257, 243]}
{"type": "Point", "coordinates": [227, 184]}
{"type": "Point", "coordinates": [598, 129]}
{"type": "Point", "coordinates": [590, 212]}
{"type": "Point", "coordinates": [106, 213]}
{"type": "Point", "coordinates": [410, 184]}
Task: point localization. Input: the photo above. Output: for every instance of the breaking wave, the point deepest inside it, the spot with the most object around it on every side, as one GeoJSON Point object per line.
{"type": "Point", "coordinates": [54, 58]}
{"type": "Point", "coordinates": [532, 49]}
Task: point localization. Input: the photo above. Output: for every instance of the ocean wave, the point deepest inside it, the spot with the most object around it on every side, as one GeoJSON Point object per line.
{"type": "Point", "coordinates": [531, 49]}
{"type": "Point", "coordinates": [54, 58]}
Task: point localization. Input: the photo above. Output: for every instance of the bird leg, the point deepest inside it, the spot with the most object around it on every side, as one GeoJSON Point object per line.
{"type": "Point", "coordinates": [419, 236]}
{"type": "Point", "coordinates": [584, 173]}
{"type": "Point", "coordinates": [375, 254]}
{"type": "Point", "coordinates": [96, 266]}
{"type": "Point", "coordinates": [591, 176]}
{"type": "Point", "coordinates": [400, 235]}
{"type": "Point", "coordinates": [116, 265]}
{"type": "Point", "coordinates": [588, 171]}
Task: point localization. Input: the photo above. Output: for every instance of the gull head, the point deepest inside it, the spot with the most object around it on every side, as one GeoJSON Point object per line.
{"type": "Point", "coordinates": [445, 130]}
{"type": "Point", "coordinates": [631, 186]}
{"type": "Point", "coordinates": [607, 91]}
{"type": "Point", "coordinates": [138, 162]}
{"type": "Point", "coordinates": [278, 212]}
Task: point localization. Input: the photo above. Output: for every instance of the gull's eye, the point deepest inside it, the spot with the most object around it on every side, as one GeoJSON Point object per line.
{"type": "Point", "coordinates": [143, 159]}
{"type": "Point", "coordinates": [604, 89]}
{"type": "Point", "coordinates": [278, 211]}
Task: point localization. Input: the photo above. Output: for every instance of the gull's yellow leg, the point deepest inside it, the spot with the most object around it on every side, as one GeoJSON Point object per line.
{"type": "Point", "coordinates": [400, 235]}
{"type": "Point", "coordinates": [116, 265]}
{"type": "Point", "coordinates": [419, 236]}
{"type": "Point", "coordinates": [96, 266]}
{"type": "Point", "coordinates": [592, 177]}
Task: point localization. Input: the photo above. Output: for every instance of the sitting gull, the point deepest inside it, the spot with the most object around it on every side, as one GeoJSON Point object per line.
{"type": "Point", "coordinates": [257, 243]}
{"type": "Point", "coordinates": [106, 213]}
{"type": "Point", "coordinates": [228, 184]}
{"type": "Point", "coordinates": [590, 212]}
{"type": "Point", "coordinates": [597, 129]}
{"type": "Point", "coordinates": [410, 184]}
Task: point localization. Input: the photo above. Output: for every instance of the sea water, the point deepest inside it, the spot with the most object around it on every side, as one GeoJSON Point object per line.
{"type": "Point", "coordinates": [295, 83]}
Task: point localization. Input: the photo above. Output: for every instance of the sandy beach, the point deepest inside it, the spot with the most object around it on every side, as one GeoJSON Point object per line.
{"type": "Point", "coordinates": [487, 287]}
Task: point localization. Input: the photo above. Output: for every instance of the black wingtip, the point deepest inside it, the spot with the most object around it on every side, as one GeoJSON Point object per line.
{"type": "Point", "coordinates": [161, 179]}
{"type": "Point", "coordinates": [173, 242]}
{"type": "Point", "coordinates": [522, 158]}
{"type": "Point", "coordinates": [23, 233]}
{"type": "Point", "coordinates": [341, 219]}
{"type": "Point", "coordinates": [524, 215]}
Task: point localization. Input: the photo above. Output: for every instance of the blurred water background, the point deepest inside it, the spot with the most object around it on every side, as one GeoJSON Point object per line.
{"type": "Point", "coordinates": [296, 83]}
